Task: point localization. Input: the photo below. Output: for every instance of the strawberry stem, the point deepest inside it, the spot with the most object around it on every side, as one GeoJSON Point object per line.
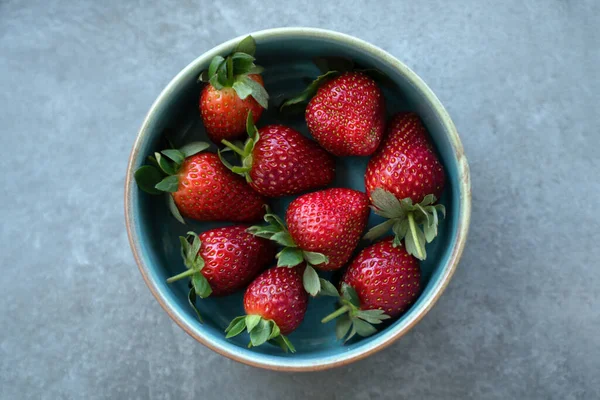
{"type": "Point", "coordinates": [413, 232]}
{"type": "Point", "coordinates": [336, 313]}
{"type": "Point", "coordinates": [233, 147]}
{"type": "Point", "coordinates": [182, 275]}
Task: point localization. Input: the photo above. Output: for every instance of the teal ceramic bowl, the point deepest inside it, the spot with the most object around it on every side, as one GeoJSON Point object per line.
{"type": "Point", "coordinates": [153, 233]}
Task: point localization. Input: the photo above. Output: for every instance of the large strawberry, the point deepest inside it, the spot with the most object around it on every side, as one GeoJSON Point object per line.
{"type": "Point", "coordinates": [275, 304]}
{"type": "Point", "coordinates": [382, 282]}
{"type": "Point", "coordinates": [221, 261]}
{"type": "Point", "coordinates": [234, 88]}
{"type": "Point", "coordinates": [324, 228]}
{"type": "Point", "coordinates": [405, 179]}
{"type": "Point", "coordinates": [200, 186]}
{"type": "Point", "coordinates": [347, 113]}
{"type": "Point", "coordinates": [280, 161]}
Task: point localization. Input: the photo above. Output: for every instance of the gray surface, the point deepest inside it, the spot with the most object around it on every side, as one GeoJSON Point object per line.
{"type": "Point", "coordinates": [519, 320]}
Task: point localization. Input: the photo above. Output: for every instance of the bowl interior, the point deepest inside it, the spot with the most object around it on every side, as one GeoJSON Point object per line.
{"type": "Point", "coordinates": [287, 59]}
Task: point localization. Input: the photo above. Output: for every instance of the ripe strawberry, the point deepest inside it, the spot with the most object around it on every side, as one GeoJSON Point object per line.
{"type": "Point", "coordinates": [235, 87]}
{"type": "Point", "coordinates": [347, 115]}
{"type": "Point", "coordinates": [278, 161]}
{"type": "Point", "coordinates": [404, 179]}
{"type": "Point", "coordinates": [323, 230]}
{"type": "Point", "coordinates": [221, 261]}
{"type": "Point", "coordinates": [201, 187]}
{"type": "Point", "coordinates": [275, 304]}
{"type": "Point", "coordinates": [382, 282]}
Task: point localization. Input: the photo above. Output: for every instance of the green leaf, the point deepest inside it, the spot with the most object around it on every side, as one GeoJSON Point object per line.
{"type": "Point", "coordinates": [192, 303]}
{"type": "Point", "coordinates": [342, 326]}
{"type": "Point", "coordinates": [310, 91]}
{"type": "Point", "coordinates": [193, 148]}
{"type": "Point", "coordinates": [372, 316]}
{"type": "Point", "coordinates": [260, 333]}
{"type": "Point", "coordinates": [175, 155]}
{"type": "Point", "coordinates": [215, 63]}
{"type": "Point", "coordinates": [414, 242]}
{"type": "Point", "coordinates": [310, 280]}
{"type": "Point", "coordinates": [165, 165]}
{"type": "Point", "coordinates": [250, 127]}
{"type": "Point", "coordinates": [289, 257]}
{"type": "Point", "coordinates": [379, 230]}
{"type": "Point", "coordinates": [351, 334]}
{"type": "Point", "coordinates": [226, 163]}
{"type": "Point", "coordinates": [185, 250]}
{"type": "Point", "coordinates": [386, 204]}
{"type": "Point", "coordinates": [173, 209]}
{"type": "Point", "coordinates": [275, 331]}
{"type": "Point", "coordinates": [315, 258]}
{"type": "Point", "coordinates": [241, 88]}
{"type": "Point", "coordinates": [258, 92]}
{"type": "Point", "coordinates": [427, 200]}
{"type": "Point", "coordinates": [255, 70]}
{"type": "Point", "coordinates": [220, 79]}
{"type": "Point", "coordinates": [195, 246]}
{"type": "Point", "coordinates": [349, 293]}
{"type": "Point", "coordinates": [247, 45]}
{"type": "Point", "coordinates": [284, 239]}
{"type": "Point", "coordinates": [252, 321]}
{"type": "Point", "coordinates": [265, 232]}
{"type": "Point", "coordinates": [430, 232]}
{"type": "Point", "coordinates": [327, 288]}
{"type": "Point", "coordinates": [201, 285]}
{"type": "Point", "coordinates": [363, 328]}
{"type": "Point", "coordinates": [287, 344]}
{"type": "Point", "coordinates": [147, 178]}
{"type": "Point", "coordinates": [240, 170]}
{"type": "Point", "coordinates": [203, 77]}
{"type": "Point", "coordinates": [236, 327]}
{"type": "Point", "coordinates": [441, 208]}
{"type": "Point", "coordinates": [273, 219]}
{"type": "Point", "coordinates": [423, 214]}
{"type": "Point", "coordinates": [169, 184]}
{"type": "Point", "coordinates": [400, 228]}
{"type": "Point", "coordinates": [242, 63]}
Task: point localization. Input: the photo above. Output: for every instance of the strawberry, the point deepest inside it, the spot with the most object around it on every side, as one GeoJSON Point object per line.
{"type": "Point", "coordinates": [404, 179]}
{"type": "Point", "coordinates": [347, 115]}
{"type": "Point", "coordinates": [201, 187]}
{"type": "Point", "coordinates": [221, 261]}
{"type": "Point", "coordinates": [382, 282]}
{"type": "Point", "coordinates": [323, 230]}
{"type": "Point", "coordinates": [278, 161]}
{"type": "Point", "coordinates": [275, 304]}
{"type": "Point", "coordinates": [234, 88]}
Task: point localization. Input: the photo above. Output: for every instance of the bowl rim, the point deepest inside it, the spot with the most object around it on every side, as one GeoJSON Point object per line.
{"type": "Point", "coordinates": [392, 333]}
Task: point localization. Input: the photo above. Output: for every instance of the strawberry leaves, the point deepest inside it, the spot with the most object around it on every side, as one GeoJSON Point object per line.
{"type": "Point", "coordinates": [260, 330]}
{"type": "Point", "coordinates": [245, 152]}
{"type": "Point", "coordinates": [232, 72]}
{"type": "Point", "coordinates": [308, 93]}
{"type": "Point", "coordinates": [416, 224]}
{"type": "Point", "coordinates": [351, 320]}
{"type": "Point", "coordinates": [291, 255]}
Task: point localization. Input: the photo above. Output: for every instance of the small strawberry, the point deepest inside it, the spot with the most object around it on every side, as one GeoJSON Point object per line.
{"type": "Point", "coordinates": [234, 88]}
{"type": "Point", "coordinates": [382, 282]}
{"type": "Point", "coordinates": [347, 113]}
{"type": "Point", "coordinates": [221, 261]}
{"type": "Point", "coordinates": [201, 187]}
{"type": "Point", "coordinates": [275, 304]}
{"type": "Point", "coordinates": [324, 228]}
{"type": "Point", "coordinates": [278, 161]}
{"type": "Point", "coordinates": [404, 179]}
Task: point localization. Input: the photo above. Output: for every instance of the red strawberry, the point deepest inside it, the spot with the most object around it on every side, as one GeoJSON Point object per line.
{"type": "Point", "coordinates": [404, 179]}
{"type": "Point", "coordinates": [324, 229]}
{"type": "Point", "coordinates": [278, 161]}
{"type": "Point", "coordinates": [221, 261]}
{"type": "Point", "coordinates": [347, 115]}
{"type": "Point", "coordinates": [234, 88]}
{"type": "Point", "coordinates": [275, 304]}
{"type": "Point", "coordinates": [382, 282]}
{"type": "Point", "coordinates": [202, 188]}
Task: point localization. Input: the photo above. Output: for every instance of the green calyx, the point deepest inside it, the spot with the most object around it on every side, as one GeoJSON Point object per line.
{"type": "Point", "coordinates": [261, 331]}
{"type": "Point", "coordinates": [233, 70]}
{"type": "Point", "coordinates": [244, 152]}
{"type": "Point", "coordinates": [351, 320]}
{"type": "Point", "coordinates": [416, 224]}
{"type": "Point", "coordinates": [161, 175]}
{"type": "Point", "coordinates": [291, 255]}
{"type": "Point", "coordinates": [302, 98]}
{"type": "Point", "coordinates": [199, 286]}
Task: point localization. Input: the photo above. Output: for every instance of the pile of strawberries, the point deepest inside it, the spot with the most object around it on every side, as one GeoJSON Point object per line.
{"type": "Point", "coordinates": [346, 116]}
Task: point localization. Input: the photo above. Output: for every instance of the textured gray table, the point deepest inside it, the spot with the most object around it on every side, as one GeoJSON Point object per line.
{"type": "Point", "coordinates": [521, 319]}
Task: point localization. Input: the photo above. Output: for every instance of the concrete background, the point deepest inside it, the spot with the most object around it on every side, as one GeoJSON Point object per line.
{"type": "Point", "coordinates": [521, 319]}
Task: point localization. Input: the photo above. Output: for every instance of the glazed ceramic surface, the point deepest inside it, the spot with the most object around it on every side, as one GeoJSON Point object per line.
{"type": "Point", "coordinates": [286, 54]}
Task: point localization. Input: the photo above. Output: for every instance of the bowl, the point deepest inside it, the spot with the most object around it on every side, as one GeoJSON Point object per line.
{"type": "Point", "coordinates": [287, 55]}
